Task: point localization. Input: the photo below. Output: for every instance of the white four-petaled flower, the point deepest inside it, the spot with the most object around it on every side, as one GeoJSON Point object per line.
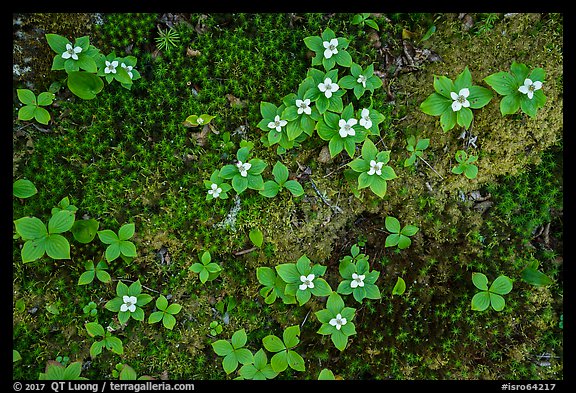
{"type": "Point", "coordinates": [243, 168]}
{"type": "Point", "coordinates": [277, 123]}
{"type": "Point", "coordinates": [460, 99]}
{"type": "Point", "coordinates": [128, 69]}
{"type": "Point", "coordinates": [357, 280]}
{"type": "Point", "coordinates": [375, 168]}
{"type": "Point", "coordinates": [338, 321]}
{"type": "Point", "coordinates": [331, 47]}
{"type": "Point", "coordinates": [346, 127]}
{"type": "Point", "coordinates": [328, 87]}
{"type": "Point", "coordinates": [362, 79]}
{"type": "Point", "coordinates": [71, 52]}
{"type": "Point", "coordinates": [307, 282]}
{"type": "Point", "coordinates": [200, 120]}
{"type": "Point", "coordinates": [214, 190]}
{"type": "Point", "coordinates": [111, 67]}
{"type": "Point", "coordinates": [129, 303]}
{"type": "Point", "coordinates": [530, 87]}
{"type": "Point", "coordinates": [365, 120]}
{"type": "Point", "coordinates": [303, 106]}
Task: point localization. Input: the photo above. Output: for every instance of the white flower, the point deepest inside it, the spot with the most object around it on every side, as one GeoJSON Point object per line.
{"type": "Point", "coordinates": [357, 280]}
{"type": "Point", "coordinates": [111, 67]}
{"type": "Point", "coordinates": [338, 321]}
{"type": "Point", "coordinates": [530, 87]}
{"type": "Point", "coordinates": [330, 48]}
{"type": "Point", "coordinates": [128, 69]}
{"type": "Point", "coordinates": [304, 106]}
{"type": "Point", "coordinates": [361, 79]}
{"type": "Point", "coordinates": [129, 303]}
{"type": "Point", "coordinates": [214, 190]}
{"type": "Point", "coordinates": [375, 168]}
{"type": "Point", "coordinates": [346, 127]}
{"type": "Point", "coordinates": [365, 120]}
{"type": "Point", "coordinates": [71, 52]}
{"type": "Point", "coordinates": [306, 282]}
{"type": "Point", "coordinates": [277, 123]}
{"type": "Point", "coordinates": [328, 87]}
{"type": "Point", "coordinates": [243, 168]}
{"type": "Point", "coordinates": [460, 99]}
{"type": "Point", "coordinates": [200, 120]}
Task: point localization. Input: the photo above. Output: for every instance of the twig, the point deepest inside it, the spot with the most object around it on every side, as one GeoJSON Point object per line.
{"type": "Point", "coordinates": [335, 208]}
{"type": "Point", "coordinates": [335, 170]}
{"type": "Point", "coordinates": [430, 166]}
{"type": "Point", "coordinates": [125, 279]}
{"type": "Point", "coordinates": [305, 318]}
{"type": "Point", "coordinates": [245, 251]}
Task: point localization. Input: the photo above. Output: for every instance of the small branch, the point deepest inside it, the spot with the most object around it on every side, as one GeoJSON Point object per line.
{"type": "Point", "coordinates": [245, 251]}
{"type": "Point", "coordinates": [335, 208]}
{"type": "Point", "coordinates": [131, 281]}
{"type": "Point", "coordinates": [430, 166]}
{"type": "Point", "coordinates": [305, 318]}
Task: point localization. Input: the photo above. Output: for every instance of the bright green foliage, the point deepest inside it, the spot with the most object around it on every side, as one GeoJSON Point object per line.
{"type": "Point", "coordinates": [167, 38]}
{"type": "Point", "coordinates": [90, 309]}
{"type": "Point", "coordinates": [364, 19]}
{"type": "Point", "coordinates": [283, 349]}
{"type": "Point", "coordinates": [85, 231]}
{"type": "Point", "coordinates": [490, 296]}
{"type": "Point", "coordinates": [259, 369]}
{"type": "Point", "coordinates": [126, 373]}
{"type": "Point", "coordinates": [374, 172]}
{"type": "Point", "coordinates": [195, 120]}
{"type": "Point", "coordinates": [233, 351]}
{"type": "Point", "coordinates": [320, 44]}
{"type": "Point", "coordinates": [119, 244]}
{"type": "Point", "coordinates": [57, 372]}
{"type": "Point", "coordinates": [256, 237]}
{"type": "Point", "coordinates": [221, 190]}
{"type": "Point", "coordinates": [358, 279]}
{"type": "Point", "coordinates": [206, 269]}
{"type": "Point", "coordinates": [399, 287]}
{"type": "Point", "coordinates": [64, 204]}
{"type": "Point", "coordinates": [336, 321]}
{"type": "Point", "coordinates": [324, 101]}
{"type": "Point", "coordinates": [226, 305]}
{"type": "Point", "coordinates": [32, 108]}
{"type": "Point", "coordinates": [108, 341]}
{"type": "Point", "coordinates": [440, 103]}
{"type": "Point", "coordinates": [72, 57]}
{"type": "Point", "coordinates": [303, 280]}
{"type": "Point", "coordinates": [276, 126]}
{"type": "Point", "coordinates": [166, 313]}
{"type": "Point", "coordinates": [110, 67]}
{"type": "Point", "coordinates": [361, 81]}
{"type": "Point", "coordinates": [38, 240]}
{"type": "Point", "coordinates": [399, 236]}
{"type": "Point", "coordinates": [99, 272]}
{"type": "Point", "coordinates": [508, 84]}
{"type": "Point", "coordinates": [532, 275]}
{"type": "Point", "coordinates": [465, 164]}
{"type": "Point", "coordinates": [244, 177]}
{"type": "Point", "coordinates": [23, 188]}
{"type": "Point", "coordinates": [281, 174]}
{"type": "Point", "coordinates": [124, 297]}
{"type": "Point", "coordinates": [274, 286]}
{"type": "Point", "coordinates": [85, 85]}
{"type": "Point", "coordinates": [370, 118]}
{"type": "Point", "coordinates": [416, 149]}
{"type": "Point", "coordinates": [326, 374]}
{"type": "Point", "coordinates": [299, 112]}
{"type": "Point", "coordinates": [16, 356]}
{"type": "Point", "coordinates": [215, 328]}
{"type": "Point", "coordinates": [332, 127]}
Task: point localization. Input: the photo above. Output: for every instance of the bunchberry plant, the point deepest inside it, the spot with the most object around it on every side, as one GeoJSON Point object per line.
{"type": "Point", "coordinates": [90, 309]}
{"type": "Point", "coordinates": [398, 236]}
{"type": "Point", "coordinates": [85, 230]}
{"type": "Point", "coordinates": [490, 296]}
{"type": "Point", "coordinates": [273, 286]}
{"type": "Point", "coordinates": [256, 236]}
{"type": "Point", "coordinates": [532, 275]}
{"type": "Point", "coordinates": [32, 108]}
{"type": "Point", "coordinates": [374, 172]}
{"type": "Point", "coordinates": [165, 313]}
{"type": "Point", "coordinates": [304, 279]}
{"type": "Point", "coordinates": [361, 80]}
{"type": "Point", "coordinates": [399, 287]}
{"type": "Point", "coordinates": [276, 125]}
{"type": "Point", "coordinates": [259, 369]}
{"type": "Point", "coordinates": [454, 100]}
{"type": "Point", "coordinates": [108, 341]}
{"type": "Point", "coordinates": [196, 121]}
{"type": "Point", "coordinates": [118, 244]}
{"type": "Point", "coordinates": [329, 50]}
{"type": "Point", "coordinates": [39, 240]}
{"type": "Point", "coordinates": [126, 373]}
{"type": "Point", "coordinates": [16, 356]}
{"type": "Point", "coordinates": [55, 371]}
{"type": "Point", "coordinates": [284, 354]}
{"type": "Point", "coordinates": [370, 118]}
{"type": "Point", "coordinates": [273, 187]}
{"type": "Point", "coordinates": [324, 91]}
{"type": "Point", "coordinates": [362, 19]}
{"type": "Point", "coordinates": [206, 269]}
{"type": "Point", "coordinates": [23, 188]}
{"type": "Point", "coordinates": [233, 351]}
{"type": "Point", "coordinates": [64, 204]}
{"type": "Point", "coordinates": [63, 360]}
{"type": "Point", "coordinates": [358, 279]}
{"type": "Point", "coordinates": [300, 112]}
{"type": "Point", "coordinates": [245, 174]}
{"type": "Point", "coordinates": [129, 301]}
{"type": "Point", "coordinates": [520, 88]}
{"type": "Point", "coordinates": [98, 271]}
{"type": "Point", "coordinates": [416, 149]}
{"type": "Point", "coordinates": [116, 68]}
{"type": "Point", "coordinates": [342, 131]}
{"type": "Point", "coordinates": [336, 320]}
{"type": "Point", "coordinates": [215, 328]}
{"type": "Point", "coordinates": [216, 186]}
{"type": "Point", "coordinates": [465, 164]}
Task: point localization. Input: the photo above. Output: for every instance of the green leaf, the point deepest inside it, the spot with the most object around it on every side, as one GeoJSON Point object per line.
{"type": "Point", "coordinates": [127, 373]}
{"type": "Point", "coordinates": [61, 222]}
{"type": "Point", "coordinates": [27, 112]}
{"type": "Point", "coordinates": [230, 363]}
{"type": "Point", "coordinates": [291, 336]}
{"type": "Point", "coordinates": [497, 302]}
{"type": "Point", "coordinates": [114, 304]}
{"type": "Point", "coordinates": [288, 272]}
{"type": "Point", "coordinates": [30, 228]}
{"type": "Point", "coordinates": [169, 321]}
{"type": "Point", "coordinates": [481, 301]}
{"type": "Point", "coordinates": [112, 251]}
{"type": "Point", "coordinates": [404, 242]}
{"type": "Point", "coordinates": [471, 171]}
{"type": "Point", "coordinates": [87, 277]}
{"type": "Point", "coordinates": [115, 344]}
{"type": "Point", "coordinates": [400, 287]}
{"type": "Point", "coordinates": [16, 356]}
{"type": "Point", "coordinates": [321, 288]}
{"type": "Point", "coordinates": [126, 231]}
{"type": "Point", "coordinates": [502, 82]}
{"type": "Point", "coordinates": [96, 348]}
{"type": "Point", "coordinates": [480, 281]}
{"type": "Point", "coordinates": [135, 288]}
{"type": "Point", "coordinates": [464, 117]}
{"type": "Point", "coordinates": [27, 97]}
{"type": "Point", "coordinates": [448, 119]}
{"type": "Point", "coordinates": [244, 356]}
{"type": "Point", "coordinates": [295, 361]}
{"type": "Point", "coordinates": [294, 187]}
{"type": "Point", "coordinates": [339, 339]}
{"type": "Point", "coordinates": [479, 97]}
{"type": "Point", "coordinates": [222, 347]}
{"type": "Point", "coordinates": [138, 314]}
{"type": "Point", "coordinates": [94, 329]}
{"type": "Point", "coordinates": [239, 338]}
{"type": "Point", "coordinates": [392, 224]}
{"type": "Point", "coordinates": [443, 87]}
{"type": "Point", "coordinates": [273, 344]}
{"type": "Point", "coordinates": [431, 30]}
{"type": "Point", "coordinates": [239, 183]}
{"type": "Point", "coordinates": [463, 80]}
{"type": "Point", "coordinates": [502, 285]}
{"type": "Point", "coordinates": [57, 247]}
{"type": "Point", "coordinates": [510, 104]}
{"type": "Point", "coordinates": [155, 317]}
{"type": "Point", "coordinates": [161, 303]}
{"type": "Point", "coordinates": [535, 277]}
{"type": "Point", "coordinates": [256, 237]}
{"type": "Point", "coordinates": [84, 84]}
{"type": "Point", "coordinates": [174, 309]}
{"type": "Point", "coordinates": [326, 374]}
{"type": "Point", "coordinates": [392, 240]}
{"type": "Point", "coordinates": [84, 231]}
{"type": "Point", "coordinates": [103, 276]}
{"type": "Point", "coordinates": [279, 362]}
{"type": "Point", "coordinates": [266, 276]}
{"type": "Point", "coordinates": [107, 236]}
{"type": "Point", "coordinates": [127, 248]}
{"type": "Point", "coordinates": [280, 172]}
{"type": "Point", "coordinates": [409, 230]}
